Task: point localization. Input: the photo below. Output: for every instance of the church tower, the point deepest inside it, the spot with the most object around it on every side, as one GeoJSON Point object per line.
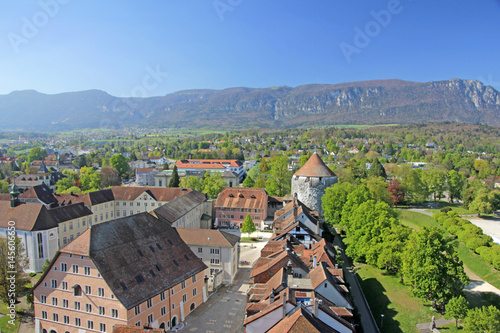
{"type": "Point", "coordinates": [310, 182]}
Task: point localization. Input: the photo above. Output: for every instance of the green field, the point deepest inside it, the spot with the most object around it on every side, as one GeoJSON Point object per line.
{"type": "Point", "coordinates": [470, 259]}
{"type": "Point", "coordinates": [387, 296]}
{"type": "Point", "coordinates": [454, 207]}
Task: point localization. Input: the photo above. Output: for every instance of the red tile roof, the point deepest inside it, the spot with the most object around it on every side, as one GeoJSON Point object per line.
{"type": "Point", "coordinates": [236, 197]}
{"type": "Point", "coordinates": [315, 167]}
{"type": "Point", "coordinates": [207, 237]}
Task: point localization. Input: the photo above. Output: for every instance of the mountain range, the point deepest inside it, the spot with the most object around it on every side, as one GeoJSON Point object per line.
{"type": "Point", "coordinates": [363, 103]}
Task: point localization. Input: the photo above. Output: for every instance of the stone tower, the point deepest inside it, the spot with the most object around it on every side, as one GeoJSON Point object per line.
{"type": "Point", "coordinates": [310, 182]}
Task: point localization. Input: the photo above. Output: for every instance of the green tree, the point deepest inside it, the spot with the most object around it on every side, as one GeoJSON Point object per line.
{"type": "Point", "coordinates": [248, 182]}
{"type": "Point", "coordinates": [279, 180]}
{"type": "Point", "coordinates": [191, 182]}
{"type": "Point", "coordinates": [481, 203]}
{"type": "Point", "coordinates": [359, 195]}
{"type": "Point", "coordinates": [36, 154]}
{"type": "Point", "coordinates": [260, 182]}
{"type": "Point", "coordinates": [432, 268]}
{"type": "Point", "coordinates": [333, 201]}
{"type": "Point", "coordinates": [263, 166]}
{"type": "Point", "coordinates": [377, 169]}
{"type": "Point", "coordinates": [110, 177]}
{"type": "Point", "coordinates": [212, 184]}
{"type": "Point", "coordinates": [89, 179]}
{"type": "Point", "coordinates": [248, 226]}
{"type": "Point", "coordinates": [254, 173]}
{"type": "Point", "coordinates": [455, 181]}
{"type": "Point", "coordinates": [457, 309]}
{"type": "Point", "coordinates": [120, 164]}
{"type": "Point", "coordinates": [435, 179]}
{"type": "Point", "coordinates": [12, 254]}
{"type": "Point", "coordinates": [4, 187]}
{"type": "Point", "coordinates": [484, 320]}
{"type": "Point", "coordinates": [174, 181]}
{"type": "Point", "coordinates": [378, 189]}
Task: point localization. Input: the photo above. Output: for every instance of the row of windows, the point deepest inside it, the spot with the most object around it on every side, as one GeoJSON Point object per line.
{"type": "Point", "coordinates": [74, 268]}
{"type": "Point", "coordinates": [101, 310]}
{"type": "Point", "coordinates": [241, 217]}
{"type": "Point", "coordinates": [149, 302]}
{"type": "Point", "coordinates": [242, 210]}
{"type": "Point", "coordinates": [78, 321]}
{"type": "Point", "coordinates": [138, 204]}
{"type": "Point", "coordinates": [77, 224]}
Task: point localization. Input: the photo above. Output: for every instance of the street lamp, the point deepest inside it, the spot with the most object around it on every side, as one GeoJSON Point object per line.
{"type": "Point", "coordinates": [382, 321]}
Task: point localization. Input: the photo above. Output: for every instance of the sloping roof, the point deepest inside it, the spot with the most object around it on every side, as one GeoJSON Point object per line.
{"type": "Point", "coordinates": [69, 212]}
{"type": "Point", "coordinates": [280, 259]}
{"type": "Point", "coordinates": [238, 197]}
{"type": "Point", "coordinates": [314, 167]}
{"type": "Point", "coordinates": [158, 193]}
{"type": "Point", "coordinates": [175, 209]}
{"type": "Point", "coordinates": [300, 320]}
{"type": "Point", "coordinates": [80, 246]}
{"type": "Point", "coordinates": [135, 329]}
{"type": "Point", "coordinates": [41, 192]}
{"type": "Point", "coordinates": [28, 216]}
{"type": "Point", "coordinates": [207, 237]}
{"type": "Point", "coordinates": [229, 174]}
{"type": "Point", "coordinates": [127, 250]}
{"type": "Point", "coordinates": [144, 170]}
{"type": "Point", "coordinates": [89, 199]}
{"type": "Point", "coordinates": [27, 180]}
{"type": "Point", "coordinates": [208, 164]}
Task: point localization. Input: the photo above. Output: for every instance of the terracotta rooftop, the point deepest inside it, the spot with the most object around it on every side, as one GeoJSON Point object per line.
{"type": "Point", "coordinates": [27, 216]}
{"type": "Point", "coordinates": [300, 320]}
{"type": "Point", "coordinates": [315, 167]}
{"type": "Point", "coordinates": [207, 237]}
{"type": "Point", "coordinates": [80, 246]}
{"type": "Point", "coordinates": [135, 329]}
{"type": "Point", "coordinates": [238, 197]}
{"type": "Point", "coordinates": [159, 194]}
{"type": "Point", "coordinates": [208, 164]}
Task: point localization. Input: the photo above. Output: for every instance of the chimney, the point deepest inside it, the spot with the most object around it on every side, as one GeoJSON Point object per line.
{"type": "Point", "coordinates": [315, 261]}
{"type": "Point", "coordinates": [317, 228]}
{"type": "Point", "coordinates": [315, 309]}
{"type": "Point", "coordinates": [289, 270]}
{"type": "Point", "coordinates": [310, 258]}
{"type": "Point", "coordinates": [271, 297]}
{"type": "Point", "coordinates": [295, 206]}
{"type": "Point", "coordinates": [284, 305]}
{"type": "Point", "coordinates": [336, 266]}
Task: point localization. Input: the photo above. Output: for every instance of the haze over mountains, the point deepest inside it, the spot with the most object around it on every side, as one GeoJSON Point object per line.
{"type": "Point", "coordinates": [365, 102]}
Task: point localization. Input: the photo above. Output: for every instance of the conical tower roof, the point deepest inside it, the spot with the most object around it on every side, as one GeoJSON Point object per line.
{"type": "Point", "coordinates": [315, 167]}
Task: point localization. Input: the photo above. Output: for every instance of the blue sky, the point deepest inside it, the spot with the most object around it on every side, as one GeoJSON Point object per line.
{"type": "Point", "coordinates": [151, 48]}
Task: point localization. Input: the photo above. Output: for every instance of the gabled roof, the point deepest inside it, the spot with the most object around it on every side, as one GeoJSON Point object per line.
{"type": "Point", "coordinates": [239, 197]}
{"type": "Point", "coordinates": [315, 167]}
{"type": "Point", "coordinates": [281, 259]}
{"type": "Point", "coordinates": [175, 209]}
{"type": "Point", "coordinates": [300, 320]}
{"type": "Point", "coordinates": [158, 193]}
{"type": "Point", "coordinates": [69, 212]}
{"type": "Point", "coordinates": [207, 237]}
{"type": "Point", "coordinates": [41, 192]}
{"type": "Point", "coordinates": [28, 216]}
{"type": "Point", "coordinates": [89, 199]}
{"type": "Point", "coordinates": [80, 246]}
{"type": "Point", "coordinates": [139, 256]}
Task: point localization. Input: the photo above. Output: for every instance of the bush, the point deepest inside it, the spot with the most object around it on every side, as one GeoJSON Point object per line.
{"type": "Point", "coordinates": [480, 250]}
{"type": "Point", "coordinates": [471, 228]}
{"type": "Point", "coordinates": [465, 235]}
{"type": "Point", "coordinates": [488, 254]}
{"type": "Point", "coordinates": [32, 274]}
{"type": "Point", "coordinates": [496, 262]}
{"type": "Point", "coordinates": [454, 229]}
{"type": "Point", "coordinates": [440, 217]}
{"type": "Point", "coordinates": [445, 209]}
{"type": "Point", "coordinates": [449, 222]}
{"type": "Point", "coordinates": [476, 242]}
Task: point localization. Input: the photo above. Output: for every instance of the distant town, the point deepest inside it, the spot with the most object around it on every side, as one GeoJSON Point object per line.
{"type": "Point", "coordinates": [389, 228]}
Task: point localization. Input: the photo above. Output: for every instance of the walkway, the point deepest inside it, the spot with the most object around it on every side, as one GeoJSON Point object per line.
{"type": "Point", "coordinates": [367, 321]}
{"type": "Point", "coordinates": [426, 327]}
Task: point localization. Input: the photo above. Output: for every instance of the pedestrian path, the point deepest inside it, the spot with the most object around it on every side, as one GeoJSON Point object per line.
{"type": "Point", "coordinates": [426, 327]}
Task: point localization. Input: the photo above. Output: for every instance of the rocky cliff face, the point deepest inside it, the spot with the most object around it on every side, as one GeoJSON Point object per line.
{"type": "Point", "coordinates": [366, 102]}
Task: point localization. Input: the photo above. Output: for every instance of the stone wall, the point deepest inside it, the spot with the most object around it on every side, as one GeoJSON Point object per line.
{"type": "Point", "coordinates": [310, 190]}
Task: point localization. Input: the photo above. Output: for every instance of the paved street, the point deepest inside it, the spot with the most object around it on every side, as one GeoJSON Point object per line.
{"type": "Point", "coordinates": [224, 310]}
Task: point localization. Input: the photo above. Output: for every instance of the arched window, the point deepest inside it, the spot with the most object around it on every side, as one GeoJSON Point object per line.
{"type": "Point", "coordinates": [77, 290]}
{"type": "Point", "coordinates": [192, 307]}
{"type": "Point", "coordinates": [39, 244]}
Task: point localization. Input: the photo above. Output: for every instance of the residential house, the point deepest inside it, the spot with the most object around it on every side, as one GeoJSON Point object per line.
{"type": "Point", "coordinates": [146, 176]}
{"type": "Point", "coordinates": [234, 204]}
{"type": "Point", "coordinates": [235, 166]}
{"type": "Point", "coordinates": [219, 250]}
{"type": "Point", "coordinates": [143, 275]}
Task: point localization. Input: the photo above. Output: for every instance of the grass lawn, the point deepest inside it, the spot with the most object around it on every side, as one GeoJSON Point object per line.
{"type": "Point", "coordinates": [415, 220]}
{"type": "Point", "coordinates": [455, 207]}
{"type": "Point", "coordinates": [5, 327]}
{"type": "Point", "coordinates": [402, 312]}
{"type": "Point", "coordinates": [249, 240]}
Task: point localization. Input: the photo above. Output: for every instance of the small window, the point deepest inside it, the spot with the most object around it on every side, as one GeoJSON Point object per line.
{"type": "Point", "coordinates": [139, 279]}
{"type": "Point", "coordinates": [140, 253]}
{"type": "Point", "coordinates": [158, 267]}
{"type": "Point", "coordinates": [124, 287]}
{"type": "Point", "coordinates": [152, 273]}
{"type": "Point", "coordinates": [158, 246]}
{"type": "Point", "coordinates": [175, 263]}
{"type": "Point", "coordinates": [152, 249]}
